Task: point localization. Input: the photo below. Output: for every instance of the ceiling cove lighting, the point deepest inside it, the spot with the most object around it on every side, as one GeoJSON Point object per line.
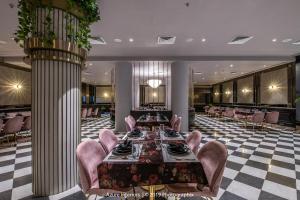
{"type": "Point", "coordinates": [154, 83]}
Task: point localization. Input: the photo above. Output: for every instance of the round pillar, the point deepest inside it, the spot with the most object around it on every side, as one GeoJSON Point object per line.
{"type": "Point", "coordinates": [180, 92]}
{"type": "Point", "coordinates": [123, 92]}
{"type": "Point", "coordinates": [298, 91]}
{"type": "Point", "coordinates": [56, 83]}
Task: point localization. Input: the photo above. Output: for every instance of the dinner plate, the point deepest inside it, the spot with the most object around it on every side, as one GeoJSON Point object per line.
{"type": "Point", "coordinates": [123, 151]}
{"type": "Point", "coordinates": [174, 149]}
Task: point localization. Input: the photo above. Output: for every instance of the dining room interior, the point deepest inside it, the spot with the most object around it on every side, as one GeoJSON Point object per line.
{"type": "Point", "coordinates": [137, 99]}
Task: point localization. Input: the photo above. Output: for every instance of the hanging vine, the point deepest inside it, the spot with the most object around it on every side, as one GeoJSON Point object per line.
{"type": "Point", "coordinates": [27, 21]}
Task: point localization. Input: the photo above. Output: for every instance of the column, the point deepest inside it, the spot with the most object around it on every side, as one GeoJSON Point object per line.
{"type": "Point", "coordinates": [56, 83]}
{"type": "Point", "coordinates": [180, 92]}
{"type": "Point", "coordinates": [298, 90]}
{"type": "Point", "coordinates": [123, 91]}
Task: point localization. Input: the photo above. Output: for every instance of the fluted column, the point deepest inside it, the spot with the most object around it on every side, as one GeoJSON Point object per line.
{"type": "Point", "coordinates": [298, 91]}
{"type": "Point", "coordinates": [56, 83]}
{"type": "Point", "coordinates": [123, 90]}
{"type": "Point", "coordinates": [180, 92]}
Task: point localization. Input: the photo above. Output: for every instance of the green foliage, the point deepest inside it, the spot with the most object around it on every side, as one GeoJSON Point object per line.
{"type": "Point", "coordinates": [27, 22]}
{"type": "Point", "coordinates": [297, 100]}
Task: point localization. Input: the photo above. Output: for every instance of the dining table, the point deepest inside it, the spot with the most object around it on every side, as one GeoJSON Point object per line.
{"type": "Point", "coordinates": [150, 164]}
{"type": "Point", "coordinates": [152, 121]}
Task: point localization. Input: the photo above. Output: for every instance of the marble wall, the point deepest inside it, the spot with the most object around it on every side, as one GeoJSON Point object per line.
{"type": "Point", "coordinates": [15, 86]}
{"type": "Point", "coordinates": [245, 91]}
{"type": "Point", "coordinates": [227, 91]}
{"type": "Point", "coordinates": [274, 87]}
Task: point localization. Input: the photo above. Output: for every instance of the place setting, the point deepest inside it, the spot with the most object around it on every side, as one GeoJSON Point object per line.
{"type": "Point", "coordinates": [177, 152]}
{"type": "Point", "coordinates": [136, 134]}
{"type": "Point", "coordinates": [170, 134]}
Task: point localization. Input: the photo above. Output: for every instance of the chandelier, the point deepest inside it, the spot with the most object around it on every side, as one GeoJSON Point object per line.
{"type": "Point", "coordinates": [154, 83]}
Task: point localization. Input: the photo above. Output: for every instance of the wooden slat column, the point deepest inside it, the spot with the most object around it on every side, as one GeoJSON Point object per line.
{"type": "Point", "coordinates": [56, 83]}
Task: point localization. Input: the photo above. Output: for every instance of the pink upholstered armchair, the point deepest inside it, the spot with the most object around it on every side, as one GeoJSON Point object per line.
{"type": "Point", "coordinates": [12, 127]}
{"type": "Point", "coordinates": [1, 125]}
{"type": "Point", "coordinates": [108, 140]}
{"type": "Point", "coordinates": [129, 125]}
{"type": "Point", "coordinates": [95, 113]}
{"type": "Point", "coordinates": [177, 125]}
{"type": "Point", "coordinates": [213, 157]}
{"type": "Point", "coordinates": [83, 113]}
{"type": "Point", "coordinates": [272, 117]}
{"type": "Point", "coordinates": [89, 112]}
{"type": "Point", "coordinates": [90, 154]}
{"type": "Point", "coordinates": [257, 118]}
{"type": "Point", "coordinates": [193, 140]}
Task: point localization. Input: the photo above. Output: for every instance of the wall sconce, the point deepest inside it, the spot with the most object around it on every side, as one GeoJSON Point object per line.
{"type": "Point", "coordinates": [217, 93]}
{"type": "Point", "coordinates": [245, 91]}
{"type": "Point", "coordinates": [105, 94]}
{"type": "Point", "coordinates": [18, 86]}
{"type": "Point", "coordinates": [273, 87]}
{"type": "Point", "coordinates": [227, 92]}
{"type": "Point", "coordinates": [154, 94]}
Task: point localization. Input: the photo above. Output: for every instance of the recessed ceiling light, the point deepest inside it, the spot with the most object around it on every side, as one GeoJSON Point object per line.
{"type": "Point", "coordinates": [287, 40]}
{"type": "Point", "coordinates": [106, 73]}
{"type": "Point", "coordinates": [198, 73]}
{"type": "Point", "coordinates": [297, 42]}
{"type": "Point", "coordinates": [265, 65]}
{"type": "Point", "coordinates": [189, 40]}
{"type": "Point", "coordinates": [231, 65]}
{"type": "Point", "coordinates": [2, 42]}
{"type": "Point", "coordinates": [203, 78]}
{"type": "Point", "coordinates": [242, 72]}
{"type": "Point", "coordinates": [131, 39]}
{"type": "Point", "coordinates": [274, 40]}
{"type": "Point", "coordinates": [117, 40]}
{"type": "Point", "coordinates": [203, 40]}
{"type": "Point", "coordinates": [90, 64]}
{"type": "Point", "coordinates": [233, 73]}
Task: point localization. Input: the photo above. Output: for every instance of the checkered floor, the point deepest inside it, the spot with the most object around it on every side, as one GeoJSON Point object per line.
{"type": "Point", "coordinates": [262, 164]}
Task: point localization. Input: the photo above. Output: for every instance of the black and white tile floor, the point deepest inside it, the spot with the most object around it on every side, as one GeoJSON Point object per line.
{"type": "Point", "coordinates": [262, 164]}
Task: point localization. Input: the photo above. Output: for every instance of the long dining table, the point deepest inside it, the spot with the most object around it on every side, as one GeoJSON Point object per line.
{"type": "Point", "coordinates": [150, 164]}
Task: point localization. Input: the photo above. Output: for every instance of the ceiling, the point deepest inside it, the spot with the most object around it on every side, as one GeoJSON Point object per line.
{"type": "Point", "coordinates": [215, 20]}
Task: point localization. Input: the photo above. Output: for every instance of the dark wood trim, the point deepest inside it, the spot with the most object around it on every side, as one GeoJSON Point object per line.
{"type": "Point", "coordinates": [12, 66]}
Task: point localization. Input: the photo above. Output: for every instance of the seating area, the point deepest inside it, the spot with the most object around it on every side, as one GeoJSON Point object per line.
{"type": "Point", "coordinates": [14, 126]}
{"type": "Point", "coordinates": [254, 117]}
{"type": "Point", "coordinates": [89, 113]}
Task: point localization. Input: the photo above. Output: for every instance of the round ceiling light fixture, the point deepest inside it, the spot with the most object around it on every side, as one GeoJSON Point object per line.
{"type": "Point", "coordinates": [154, 83]}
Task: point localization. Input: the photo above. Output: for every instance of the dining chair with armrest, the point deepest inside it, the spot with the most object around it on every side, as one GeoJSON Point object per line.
{"type": "Point", "coordinates": [89, 112]}
{"type": "Point", "coordinates": [83, 113]}
{"type": "Point", "coordinates": [272, 117]}
{"type": "Point", "coordinates": [256, 119]}
{"type": "Point", "coordinates": [193, 140]}
{"type": "Point", "coordinates": [26, 128]}
{"type": "Point", "coordinates": [107, 139]}
{"type": "Point", "coordinates": [213, 157]}
{"type": "Point", "coordinates": [95, 113]}
{"type": "Point", "coordinates": [90, 154]}
{"type": "Point", "coordinates": [12, 127]}
{"type": "Point", "coordinates": [177, 124]}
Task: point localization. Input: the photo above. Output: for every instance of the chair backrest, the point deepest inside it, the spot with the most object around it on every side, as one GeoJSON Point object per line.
{"type": "Point", "coordinates": [229, 112]}
{"type": "Point", "coordinates": [84, 113]}
{"type": "Point", "coordinates": [272, 117]}
{"type": "Point", "coordinates": [173, 119]}
{"type": "Point", "coordinates": [132, 120]}
{"type": "Point", "coordinates": [258, 117]}
{"type": "Point", "coordinates": [26, 113]}
{"type": "Point", "coordinates": [107, 139]}
{"type": "Point", "coordinates": [1, 124]}
{"type": "Point", "coordinates": [13, 125]}
{"type": "Point", "coordinates": [96, 111]}
{"type": "Point", "coordinates": [206, 108]}
{"type": "Point", "coordinates": [177, 125]}
{"type": "Point", "coordinates": [127, 124]}
{"type": "Point", "coordinates": [193, 141]}
{"type": "Point", "coordinates": [213, 157]}
{"type": "Point", "coordinates": [89, 155]}
{"type": "Point", "coordinates": [89, 112]}
{"type": "Point", "coordinates": [12, 114]}
{"type": "Point", "coordinates": [27, 124]}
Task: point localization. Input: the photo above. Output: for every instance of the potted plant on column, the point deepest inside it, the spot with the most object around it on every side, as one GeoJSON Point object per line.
{"type": "Point", "coordinates": [55, 37]}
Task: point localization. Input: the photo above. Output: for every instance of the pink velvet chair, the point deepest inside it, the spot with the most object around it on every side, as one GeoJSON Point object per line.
{"type": "Point", "coordinates": [272, 117]}
{"type": "Point", "coordinates": [12, 127]}
{"type": "Point", "coordinates": [83, 113]}
{"type": "Point", "coordinates": [193, 140]}
{"type": "Point", "coordinates": [89, 112]}
{"type": "Point", "coordinates": [172, 120]}
{"type": "Point", "coordinates": [256, 119]}
{"type": "Point", "coordinates": [128, 124]}
{"type": "Point", "coordinates": [90, 154]}
{"type": "Point", "coordinates": [1, 125]}
{"type": "Point", "coordinates": [213, 157]}
{"type": "Point", "coordinates": [26, 128]}
{"type": "Point", "coordinates": [177, 125]}
{"type": "Point", "coordinates": [108, 140]}
{"type": "Point", "coordinates": [206, 108]}
{"type": "Point", "coordinates": [95, 113]}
